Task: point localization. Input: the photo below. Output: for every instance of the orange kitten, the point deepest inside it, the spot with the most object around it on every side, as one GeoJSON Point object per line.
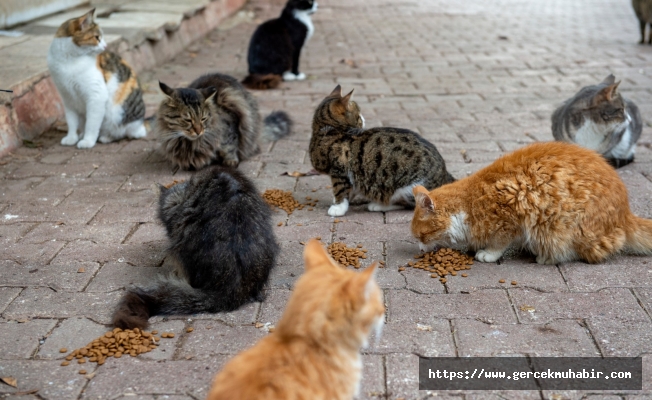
{"type": "Point", "coordinates": [558, 200]}
{"type": "Point", "coordinates": [314, 353]}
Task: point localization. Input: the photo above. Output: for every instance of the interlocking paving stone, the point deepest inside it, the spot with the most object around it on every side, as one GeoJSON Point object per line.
{"type": "Point", "coordinates": [21, 339]}
{"type": "Point", "coordinates": [72, 276]}
{"type": "Point", "coordinates": [70, 334]}
{"type": "Point", "coordinates": [211, 338]}
{"type": "Point", "coordinates": [52, 381]}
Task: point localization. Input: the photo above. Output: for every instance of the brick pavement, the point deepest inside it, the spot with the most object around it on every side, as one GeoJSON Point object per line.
{"type": "Point", "coordinates": [476, 76]}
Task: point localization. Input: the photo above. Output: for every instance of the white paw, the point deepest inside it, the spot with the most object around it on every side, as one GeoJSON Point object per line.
{"type": "Point", "coordinates": [105, 139]}
{"type": "Point", "coordinates": [289, 76]}
{"type": "Point", "coordinates": [488, 255]}
{"type": "Point", "coordinates": [138, 133]}
{"type": "Point", "coordinates": [545, 260]}
{"type": "Point", "coordinates": [85, 144]}
{"type": "Point", "coordinates": [69, 140]}
{"type": "Point", "coordinates": [301, 76]}
{"type": "Point", "coordinates": [381, 207]}
{"type": "Point", "coordinates": [338, 210]}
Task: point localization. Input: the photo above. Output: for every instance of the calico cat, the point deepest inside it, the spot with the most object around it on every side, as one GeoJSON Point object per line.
{"type": "Point", "coordinates": [558, 200]}
{"type": "Point", "coordinates": [100, 92]}
{"type": "Point", "coordinates": [214, 120]}
{"type": "Point", "coordinates": [381, 164]}
{"type": "Point", "coordinates": [221, 239]}
{"type": "Point", "coordinates": [643, 10]}
{"type": "Point", "coordinates": [599, 118]}
{"type": "Point", "coordinates": [276, 45]}
{"type": "Point", "coordinates": [314, 353]}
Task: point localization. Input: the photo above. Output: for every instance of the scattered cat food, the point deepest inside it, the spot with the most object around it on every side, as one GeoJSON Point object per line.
{"type": "Point", "coordinates": [527, 308]}
{"type": "Point", "coordinates": [285, 201]}
{"type": "Point", "coordinates": [346, 256]}
{"type": "Point", "coordinates": [401, 269]}
{"type": "Point", "coordinates": [465, 275]}
{"type": "Point", "coordinates": [81, 270]}
{"type": "Point", "coordinates": [441, 263]}
{"type": "Point", "coordinates": [82, 372]}
{"type": "Point", "coordinates": [63, 350]}
{"type": "Point", "coordinates": [190, 329]}
{"type": "Point", "coordinates": [114, 344]}
{"type": "Point", "coordinates": [318, 238]}
{"type": "Point", "coordinates": [279, 224]}
{"type": "Point", "coordinates": [514, 283]}
{"type": "Point", "coordinates": [501, 281]}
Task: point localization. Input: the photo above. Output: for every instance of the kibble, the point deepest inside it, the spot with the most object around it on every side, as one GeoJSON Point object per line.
{"type": "Point", "coordinates": [345, 255]}
{"type": "Point", "coordinates": [63, 350]}
{"type": "Point", "coordinates": [441, 263]}
{"type": "Point", "coordinates": [514, 283]}
{"type": "Point", "coordinates": [82, 372]}
{"type": "Point", "coordinates": [115, 343]}
{"type": "Point", "coordinates": [190, 329]}
{"type": "Point", "coordinates": [285, 201]}
{"type": "Point", "coordinates": [501, 281]}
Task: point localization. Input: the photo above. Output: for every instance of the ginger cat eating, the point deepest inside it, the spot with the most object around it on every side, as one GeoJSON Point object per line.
{"type": "Point", "coordinates": [558, 200]}
{"type": "Point", "coordinates": [314, 353]}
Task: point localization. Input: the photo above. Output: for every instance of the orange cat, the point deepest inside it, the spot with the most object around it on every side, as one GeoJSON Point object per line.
{"type": "Point", "coordinates": [558, 200]}
{"type": "Point", "coordinates": [314, 351]}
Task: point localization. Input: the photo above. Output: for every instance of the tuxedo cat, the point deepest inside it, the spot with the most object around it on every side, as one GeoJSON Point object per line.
{"type": "Point", "coordinates": [276, 45]}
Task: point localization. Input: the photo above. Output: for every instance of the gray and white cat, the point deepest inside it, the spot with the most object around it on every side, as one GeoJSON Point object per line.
{"type": "Point", "coordinates": [599, 118]}
{"type": "Point", "coordinates": [100, 92]}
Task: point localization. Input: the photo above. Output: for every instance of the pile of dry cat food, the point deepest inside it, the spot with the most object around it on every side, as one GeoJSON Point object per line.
{"type": "Point", "coordinates": [116, 343]}
{"type": "Point", "coordinates": [285, 201]}
{"type": "Point", "coordinates": [443, 262]}
{"type": "Point", "coordinates": [346, 255]}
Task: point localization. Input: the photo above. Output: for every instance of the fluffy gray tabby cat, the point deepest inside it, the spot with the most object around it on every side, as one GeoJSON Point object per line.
{"type": "Point", "coordinates": [599, 118]}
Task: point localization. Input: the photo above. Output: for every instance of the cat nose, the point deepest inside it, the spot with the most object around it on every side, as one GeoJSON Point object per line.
{"type": "Point", "coordinates": [197, 129]}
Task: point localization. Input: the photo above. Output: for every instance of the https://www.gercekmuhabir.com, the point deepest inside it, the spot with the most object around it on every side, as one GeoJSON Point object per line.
{"type": "Point", "coordinates": [531, 373]}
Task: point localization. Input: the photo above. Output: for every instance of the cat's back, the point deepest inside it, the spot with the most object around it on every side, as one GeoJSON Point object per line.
{"type": "Point", "coordinates": [216, 80]}
{"type": "Point", "coordinates": [643, 9]}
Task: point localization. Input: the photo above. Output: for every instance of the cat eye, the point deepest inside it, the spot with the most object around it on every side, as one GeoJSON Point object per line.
{"type": "Point", "coordinates": [97, 37]}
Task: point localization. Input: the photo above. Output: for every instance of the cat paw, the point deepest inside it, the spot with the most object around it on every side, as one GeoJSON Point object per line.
{"type": "Point", "coordinates": [301, 76]}
{"type": "Point", "coordinates": [69, 140]}
{"type": "Point", "coordinates": [543, 260]}
{"type": "Point", "coordinates": [338, 210]}
{"type": "Point", "coordinates": [377, 207]}
{"type": "Point", "coordinates": [488, 256]}
{"type": "Point", "coordinates": [138, 133]}
{"type": "Point", "coordinates": [105, 139]}
{"type": "Point", "coordinates": [289, 76]}
{"type": "Point", "coordinates": [85, 144]}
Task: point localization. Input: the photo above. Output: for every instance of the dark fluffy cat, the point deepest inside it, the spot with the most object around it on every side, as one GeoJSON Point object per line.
{"type": "Point", "coordinates": [214, 120]}
{"type": "Point", "coordinates": [643, 10]}
{"type": "Point", "coordinates": [221, 239]}
{"type": "Point", "coordinates": [275, 46]}
{"type": "Point", "coordinates": [600, 119]}
{"type": "Point", "coordinates": [381, 164]}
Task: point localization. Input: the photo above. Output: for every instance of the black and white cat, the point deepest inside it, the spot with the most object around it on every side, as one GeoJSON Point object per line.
{"type": "Point", "coordinates": [275, 46]}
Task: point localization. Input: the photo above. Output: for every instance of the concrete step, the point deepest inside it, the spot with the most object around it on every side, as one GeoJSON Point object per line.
{"type": "Point", "coordinates": [144, 32]}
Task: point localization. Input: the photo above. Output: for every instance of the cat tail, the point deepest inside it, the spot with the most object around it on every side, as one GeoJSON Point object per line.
{"type": "Point", "coordinates": [639, 237]}
{"type": "Point", "coordinates": [262, 82]}
{"type": "Point", "coordinates": [169, 295]}
{"type": "Point", "coordinates": [277, 125]}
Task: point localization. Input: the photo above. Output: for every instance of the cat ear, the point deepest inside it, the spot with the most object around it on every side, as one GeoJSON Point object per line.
{"type": "Point", "coordinates": [607, 93]}
{"type": "Point", "coordinates": [337, 92]}
{"type": "Point", "coordinates": [419, 189]}
{"type": "Point", "coordinates": [315, 256]}
{"type": "Point", "coordinates": [166, 89]}
{"type": "Point", "coordinates": [610, 80]}
{"type": "Point", "coordinates": [209, 92]}
{"type": "Point", "coordinates": [345, 100]}
{"type": "Point", "coordinates": [86, 20]}
{"type": "Point", "coordinates": [424, 201]}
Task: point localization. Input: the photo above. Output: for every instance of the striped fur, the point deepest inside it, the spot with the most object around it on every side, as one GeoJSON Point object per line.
{"type": "Point", "coordinates": [214, 120]}
{"type": "Point", "coordinates": [382, 164]}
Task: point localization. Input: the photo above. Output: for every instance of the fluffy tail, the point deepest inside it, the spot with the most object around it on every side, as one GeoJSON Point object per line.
{"type": "Point", "coordinates": [262, 82]}
{"type": "Point", "coordinates": [639, 238]}
{"type": "Point", "coordinates": [167, 296]}
{"type": "Point", "coordinates": [278, 124]}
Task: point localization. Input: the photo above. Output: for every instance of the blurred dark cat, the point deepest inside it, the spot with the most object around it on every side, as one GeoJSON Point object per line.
{"type": "Point", "coordinates": [643, 10]}
{"type": "Point", "coordinates": [381, 164]}
{"type": "Point", "coordinates": [600, 119]}
{"type": "Point", "coordinates": [221, 239]}
{"type": "Point", "coordinates": [214, 120]}
{"type": "Point", "coordinates": [276, 45]}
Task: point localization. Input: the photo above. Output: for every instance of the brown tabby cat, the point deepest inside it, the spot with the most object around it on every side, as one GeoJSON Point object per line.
{"type": "Point", "coordinates": [214, 120]}
{"type": "Point", "coordinates": [560, 201]}
{"type": "Point", "coordinates": [382, 164]}
{"type": "Point", "coordinates": [314, 353]}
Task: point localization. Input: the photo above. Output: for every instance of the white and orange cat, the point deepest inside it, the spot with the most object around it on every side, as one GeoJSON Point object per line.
{"type": "Point", "coordinates": [100, 92]}
{"type": "Point", "coordinates": [314, 353]}
{"type": "Point", "coordinates": [558, 200]}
